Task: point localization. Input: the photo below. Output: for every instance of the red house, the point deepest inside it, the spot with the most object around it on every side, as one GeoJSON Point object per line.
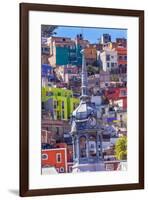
{"type": "Point", "coordinates": [115, 94]}
{"type": "Point", "coordinates": [69, 153]}
{"type": "Point", "coordinates": [55, 158]}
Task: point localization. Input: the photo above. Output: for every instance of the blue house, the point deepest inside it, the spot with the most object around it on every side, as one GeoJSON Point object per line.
{"type": "Point", "coordinates": [47, 72]}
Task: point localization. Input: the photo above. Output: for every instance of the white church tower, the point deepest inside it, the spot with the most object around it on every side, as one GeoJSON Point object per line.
{"type": "Point", "coordinates": [86, 131]}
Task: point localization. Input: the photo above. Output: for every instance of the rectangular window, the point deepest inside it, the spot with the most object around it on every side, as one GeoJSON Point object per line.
{"type": "Point", "coordinates": [112, 64]}
{"type": "Point", "coordinates": [55, 104]}
{"type": "Point", "coordinates": [43, 105]}
{"type": "Point", "coordinates": [62, 104]}
{"type": "Point", "coordinates": [63, 115]}
{"type": "Point", "coordinates": [58, 115]}
{"type": "Point", "coordinates": [125, 57]}
{"type": "Point", "coordinates": [55, 115]}
{"type": "Point", "coordinates": [58, 158]}
{"type": "Point", "coordinates": [108, 65]}
{"type": "Point", "coordinates": [120, 57]}
{"type": "Point", "coordinates": [108, 57]}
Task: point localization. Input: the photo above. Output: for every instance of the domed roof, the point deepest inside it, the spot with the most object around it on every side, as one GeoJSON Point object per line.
{"type": "Point", "coordinates": [83, 111]}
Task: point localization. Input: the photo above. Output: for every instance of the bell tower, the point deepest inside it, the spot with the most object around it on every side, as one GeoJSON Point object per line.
{"type": "Point", "coordinates": [86, 131]}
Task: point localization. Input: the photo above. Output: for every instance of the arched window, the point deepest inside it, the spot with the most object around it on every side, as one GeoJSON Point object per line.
{"type": "Point", "coordinates": [82, 145]}
{"type": "Point", "coordinates": [92, 146]}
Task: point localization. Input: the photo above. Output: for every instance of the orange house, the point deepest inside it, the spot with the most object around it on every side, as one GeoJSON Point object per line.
{"type": "Point", "coordinates": [122, 55]}
{"type": "Point", "coordinates": [90, 55]}
{"type": "Point", "coordinates": [122, 59]}
{"type": "Point", "coordinates": [55, 158]}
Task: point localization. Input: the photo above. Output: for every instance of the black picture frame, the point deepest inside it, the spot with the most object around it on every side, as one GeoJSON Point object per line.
{"type": "Point", "coordinates": [24, 98]}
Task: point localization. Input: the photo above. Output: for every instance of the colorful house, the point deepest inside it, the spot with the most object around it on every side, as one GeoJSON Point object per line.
{"type": "Point", "coordinates": [69, 153]}
{"type": "Point", "coordinates": [60, 157]}
{"type": "Point", "coordinates": [108, 60]}
{"type": "Point", "coordinates": [81, 43]}
{"type": "Point", "coordinates": [91, 55]}
{"type": "Point", "coordinates": [59, 102]}
{"type": "Point", "coordinates": [104, 77]}
{"type": "Point", "coordinates": [55, 158]}
{"type": "Point", "coordinates": [47, 74]}
{"type": "Point", "coordinates": [47, 70]}
{"type": "Point", "coordinates": [55, 130]}
{"type": "Point", "coordinates": [62, 51]}
{"type": "Point", "coordinates": [69, 150]}
{"type": "Point", "coordinates": [48, 139]}
{"type": "Point", "coordinates": [121, 42]}
{"type": "Point", "coordinates": [122, 59]}
{"type": "Point", "coordinates": [45, 50]}
{"type": "Point", "coordinates": [115, 94]}
{"type": "Point", "coordinates": [64, 70]}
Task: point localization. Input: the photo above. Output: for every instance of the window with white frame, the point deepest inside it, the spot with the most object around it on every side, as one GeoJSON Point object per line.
{"type": "Point", "coordinates": [58, 158]}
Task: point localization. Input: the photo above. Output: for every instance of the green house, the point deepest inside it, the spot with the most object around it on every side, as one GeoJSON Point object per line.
{"type": "Point", "coordinates": [67, 55]}
{"type": "Point", "coordinates": [59, 102]}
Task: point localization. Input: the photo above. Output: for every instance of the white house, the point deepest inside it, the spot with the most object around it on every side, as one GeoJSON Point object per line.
{"type": "Point", "coordinates": [108, 59]}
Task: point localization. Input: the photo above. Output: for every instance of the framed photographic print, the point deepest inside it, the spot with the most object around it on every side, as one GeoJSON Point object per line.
{"type": "Point", "coordinates": [81, 99]}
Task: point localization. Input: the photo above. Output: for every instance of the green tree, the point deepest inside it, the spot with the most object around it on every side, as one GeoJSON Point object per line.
{"type": "Point", "coordinates": [121, 148]}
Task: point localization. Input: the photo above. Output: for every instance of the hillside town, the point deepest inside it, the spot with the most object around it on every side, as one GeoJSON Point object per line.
{"type": "Point", "coordinates": [84, 104]}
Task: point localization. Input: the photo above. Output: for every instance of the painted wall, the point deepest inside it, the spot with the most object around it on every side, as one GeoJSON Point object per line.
{"type": "Point", "coordinates": [49, 158]}
{"type": "Point", "coordinates": [59, 102]}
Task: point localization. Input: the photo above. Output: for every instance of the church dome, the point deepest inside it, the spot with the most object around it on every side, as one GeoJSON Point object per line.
{"type": "Point", "coordinates": [83, 111]}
